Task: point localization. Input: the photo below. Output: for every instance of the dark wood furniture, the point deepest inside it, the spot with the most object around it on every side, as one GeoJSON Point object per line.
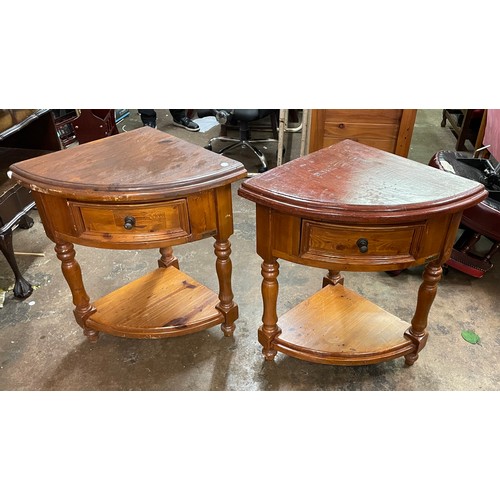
{"type": "Point", "coordinates": [78, 126]}
{"type": "Point", "coordinates": [350, 207]}
{"type": "Point", "coordinates": [465, 123]}
{"type": "Point", "coordinates": [24, 133]}
{"type": "Point", "coordinates": [137, 190]}
{"type": "Point", "coordinates": [93, 124]}
{"type": "Point", "coordinates": [386, 129]}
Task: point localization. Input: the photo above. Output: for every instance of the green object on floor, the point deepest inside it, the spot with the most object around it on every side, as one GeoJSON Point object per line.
{"type": "Point", "coordinates": [470, 336]}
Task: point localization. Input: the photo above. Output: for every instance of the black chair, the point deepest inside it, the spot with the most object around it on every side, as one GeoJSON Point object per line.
{"type": "Point", "coordinates": [242, 118]}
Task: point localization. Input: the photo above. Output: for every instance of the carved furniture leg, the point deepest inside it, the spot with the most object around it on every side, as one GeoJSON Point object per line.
{"type": "Point", "coordinates": [269, 328]}
{"type": "Point", "coordinates": [22, 289]}
{"type": "Point", "coordinates": [167, 258]}
{"type": "Point", "coordinates": [73, 275]}
{"type": "Point", "coordinates": [426, 294]}
{"type": "Point", "coordinates": [333, 278]}
{"type": "Point", "coordinates": [224, 267]}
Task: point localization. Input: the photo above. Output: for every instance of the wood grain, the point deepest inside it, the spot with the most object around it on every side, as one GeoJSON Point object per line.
{"type": "Point", "coordinates": [386, 129]}
{"type": "Point", "coordinates": [336, 325]}
{"type": "Point", "coordinates": [354, 182]}
{"type": "Point", "coordinates": [353, 207]}
{"type": "Point", "coordinates": [142, 164]}
{"type": "Point", "coordinates": [163, 303]}
{"type": "Point", "coordinates": [137, 190]}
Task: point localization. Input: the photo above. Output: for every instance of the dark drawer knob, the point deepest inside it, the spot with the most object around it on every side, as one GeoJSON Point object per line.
{"type": "Point", "coordinates": [129, 222]}
{"type": "Point", "coordinates": [362, 244]}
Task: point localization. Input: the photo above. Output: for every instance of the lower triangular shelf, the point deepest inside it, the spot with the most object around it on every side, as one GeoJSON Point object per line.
{"type": "Point", "coordinates": [163, 303]}
{"type": "Point", "coordinates": [338, 326]}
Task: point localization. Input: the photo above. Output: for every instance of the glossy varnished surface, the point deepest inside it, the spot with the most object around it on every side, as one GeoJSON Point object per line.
{"type": "Point", "coordinates": [163, 303]}
{"type": "Point", "coordinates": [353, 207]}
{"type": "Point", "coordinates": [386, 129]}
{"type": "Point", "coordinates": [137, 190]}
{"type": "Point", "coordinates": [142, 164]}
{"type": "Point", "coordinates": [355, 182]}
{"type": "Point", "coordinates": [336, 325]}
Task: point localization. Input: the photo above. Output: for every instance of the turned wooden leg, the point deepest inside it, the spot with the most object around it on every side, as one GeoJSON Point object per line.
{"type": "Point", "coordinates": [167, 258]}
{"type": "Point", "coordinates": [333, 278]}
{"type": "Point", "coordinates": [467, 241]}
{"type": "Point", "coordinates": [426, 294]}
{"type": "Point", "coordinates": [73, 275]}
{"type": "Point", "coordinates": [224, 267]}
{"type": "Point", "coordinates": [269, 328]}
{"type": "Point", "coordinates": [22, 289]}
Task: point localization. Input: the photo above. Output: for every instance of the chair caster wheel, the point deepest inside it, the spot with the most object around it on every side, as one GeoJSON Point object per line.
{"type": "Point", "coordinates": [208, 146]}
{"type": "Point", "coordinates": [262, 170]}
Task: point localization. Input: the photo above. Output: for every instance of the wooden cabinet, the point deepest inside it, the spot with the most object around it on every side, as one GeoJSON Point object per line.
{"type": "Point", "coordinates": [136, 190]}
{"type": "Point", "coordinates": [386, 129]}
{"type": "Point", "coordinates": [351, 207]}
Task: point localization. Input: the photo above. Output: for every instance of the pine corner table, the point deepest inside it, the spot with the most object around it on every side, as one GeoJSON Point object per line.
{"type": "Point", "coordinates": [139, 190]}
{"type": "Point", "coordinates": [352, 207]}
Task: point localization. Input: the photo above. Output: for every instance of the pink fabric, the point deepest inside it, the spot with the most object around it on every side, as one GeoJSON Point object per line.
{"type": "Point", "coordinates": [492, 132]}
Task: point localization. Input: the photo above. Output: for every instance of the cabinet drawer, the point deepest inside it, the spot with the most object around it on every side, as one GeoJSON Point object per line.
{"type": "Point", "coordinates": [360, 244]}
{"type": "Point", "coordinates": [131, 223]}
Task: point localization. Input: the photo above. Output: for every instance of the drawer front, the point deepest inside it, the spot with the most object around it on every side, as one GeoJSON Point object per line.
{"type": "Point", "coordinates": [131, 223]}
{"type": "Point", "coordinates": [360, 244]}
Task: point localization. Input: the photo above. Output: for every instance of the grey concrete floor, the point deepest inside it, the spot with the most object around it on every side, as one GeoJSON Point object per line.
{"type": "Point", "coordinates": [42, 347]}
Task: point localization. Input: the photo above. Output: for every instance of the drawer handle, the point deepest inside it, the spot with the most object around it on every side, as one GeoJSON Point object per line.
{"type": "Point", "coordinates": [129, 222]}
{"type": "Point", "coordinates": [362, 245]}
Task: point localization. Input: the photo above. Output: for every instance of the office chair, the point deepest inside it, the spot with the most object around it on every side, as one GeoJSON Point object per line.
{"type": "Point", "coordinates": [482, 220]}
{"type": "Point", "coordinates": [242, 118]}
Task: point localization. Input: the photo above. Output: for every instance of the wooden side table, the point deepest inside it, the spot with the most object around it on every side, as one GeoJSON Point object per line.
{"type": "Point", "coordinates": [137, 190]}
{"type": "Point", "coordinates": [355, 208]}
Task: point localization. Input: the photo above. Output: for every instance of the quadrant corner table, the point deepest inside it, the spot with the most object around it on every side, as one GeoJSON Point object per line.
{"type": "Point", "coordinates": [139, 190]}
{"type": "Point", "coordinates": [352, 207]}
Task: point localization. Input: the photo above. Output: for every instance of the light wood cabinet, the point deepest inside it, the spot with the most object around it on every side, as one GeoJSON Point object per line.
{"type": "Point", "coordinates": [386, 129]}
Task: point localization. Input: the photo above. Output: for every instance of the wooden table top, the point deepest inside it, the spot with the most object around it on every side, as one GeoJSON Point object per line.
{"type": "Point", "coordinates": [351, 181]}
{"type": "Point", "coordinates": [144, 164]}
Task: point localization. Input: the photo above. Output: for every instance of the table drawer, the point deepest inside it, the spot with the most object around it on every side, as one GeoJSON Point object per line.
{"type": "Point", "coordinates": [134, 222]}
{"type": "Point", "coordinates": [360, 243]}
